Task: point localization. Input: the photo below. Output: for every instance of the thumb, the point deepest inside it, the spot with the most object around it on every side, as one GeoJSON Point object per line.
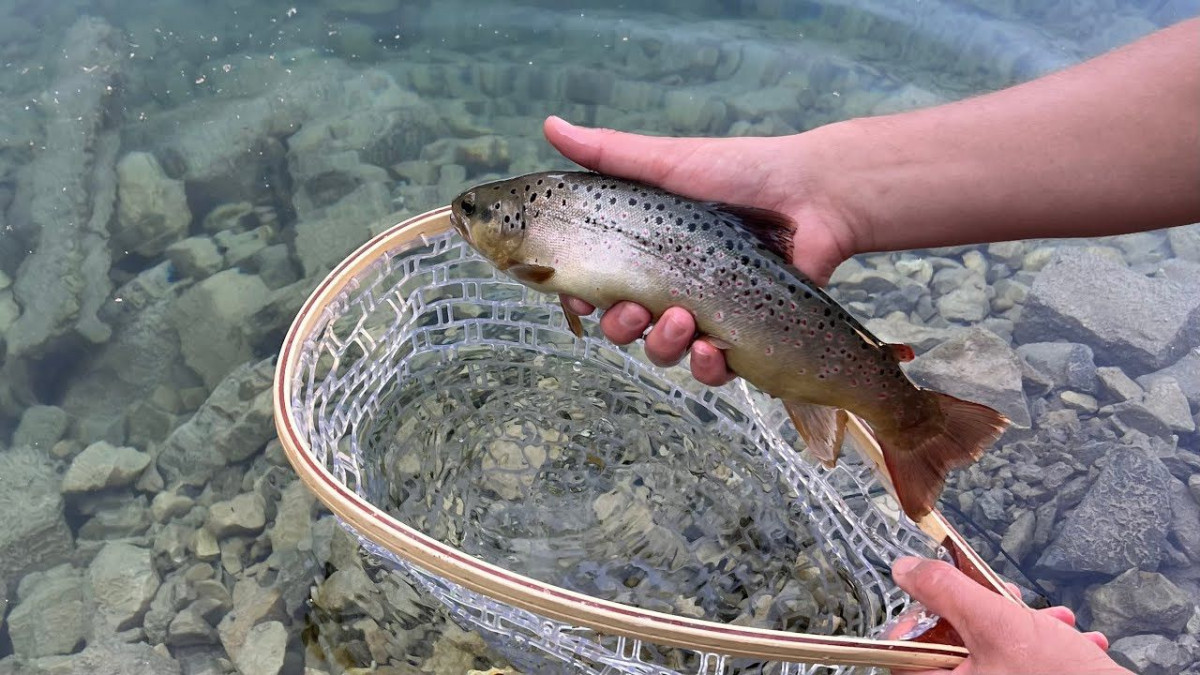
{"type": "Point", "coordinates": [972, 609]}
{"type": "Point", "coordinates": [649, 159]}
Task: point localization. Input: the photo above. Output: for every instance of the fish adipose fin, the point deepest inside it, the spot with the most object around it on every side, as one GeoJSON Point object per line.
{"type": "Point", "coordinates": [773, 229]}
{"type": "Point", "coordinates": [919, 458]}
{"type": "Point", "coordinates": [573, 321]}
{"type": "Point", "coordinates": [822, 427]}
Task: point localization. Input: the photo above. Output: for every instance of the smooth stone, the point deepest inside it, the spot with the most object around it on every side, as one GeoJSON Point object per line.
{"type": "Point", "coordinates": [101, 466]}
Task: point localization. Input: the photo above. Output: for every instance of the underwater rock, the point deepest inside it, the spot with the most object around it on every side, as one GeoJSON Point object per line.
{"type": "Point", "coordinates": [1128, 319]}
{"type": "Point", "coordinates": [35, 535]}
{"type": "Point", "coordinates": [112, 657]}
{"type": "Point", "coordinates": [244, 514]}
{"type": "Point", "coordinates": [1185, 242]}
{"type": "Point", "coordinates": [978, 365]}
{"type": "Point", "coordinates": [152, 210]}
{"type": "Point", "coordinates": [265, 650]}
{"type": "Point", "coordinates": [252, 604]}
{"type": "Point", "coordinates": [1185, 521]}
{"type": "Point", "coordinates": [233, 424]}
{"type": "Point", "coordinates": [215, 322]}
{"type": "Point", "coordinates": [968, 302]}
{"type": "Point", "coordinates": [195, 257]}
{"type": "Point", "coordinates": [1139, 602]}
{"type": "Point", "coordinates": [1150, 655]}
{"type": "Point", "coordinates": [123, 582]}
{"type": "Point", "coordinates": [1186, 372]}
{"type": "Point", "coordinates": [41, 427]}
{"type": "Point", "coordinates": [50, 614]}
{"type": "Point", "coordinates": [1116, 386]}
{"type": "Point", "coordinates": [66, 195]}
{"type": "Point", "coordinates": [326, 235]}
{"type": "Point", "coordinates": [1121, 522]}
{"type": "Point", "coordinates": [1163, 409]}
{"type": "Point", "coordinates": [190, 628]}
{"type": "Point", "coordinates": [1066, 365]}
{"type": "Point", "coordinates": [101, 466]}
{"type": "Point", "coordinates": [124, 519]}
{"type": "Point", "coordinates": [896, 327]}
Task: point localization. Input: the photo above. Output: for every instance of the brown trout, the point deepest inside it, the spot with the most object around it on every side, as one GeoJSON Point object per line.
{"type": "Point", "coordinates": [604, 240]}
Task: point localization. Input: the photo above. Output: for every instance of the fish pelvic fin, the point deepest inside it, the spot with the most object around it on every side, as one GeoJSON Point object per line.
{"type": "Point", "coordinates": [918, 458]}
{"type": "Point", "coordinates": [573, 321]}
{"type": "Point", "coordinates": [822, 427]}
{"type": "Point", "coordinates": [771, 228]}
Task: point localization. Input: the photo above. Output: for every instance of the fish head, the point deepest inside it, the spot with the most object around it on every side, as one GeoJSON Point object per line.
{"type": "Point", "coordinates": [492, 219]}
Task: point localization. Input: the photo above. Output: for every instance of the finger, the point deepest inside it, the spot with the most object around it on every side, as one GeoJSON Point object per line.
{"type": "Point", "coordinates": [1097, 639]}
{"type": "Point", "coordinates": [708, 364]}
{"type": "Point", "coordinates": [947, 592]}
{"type": "Point", "coordinates": [625, 322]}
{"type": "Point", "coordinates": [671, 336]}
{"type": "Point", "coordinates": [1063, 614]}
{"type": "Point", "coordinates": [645, 158]}
{"type": "Point", "coordinates": [576, 305]}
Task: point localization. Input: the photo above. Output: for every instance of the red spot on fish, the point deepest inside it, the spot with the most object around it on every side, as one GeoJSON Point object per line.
{"type": "Point", "coordinates": [829, 337]}
{"type": "Point", "coordinates": [674, 292]}
{"type": "Point", "coordinates": [719, 316]}
{"type": "Point", "coordinates": [770, 350]}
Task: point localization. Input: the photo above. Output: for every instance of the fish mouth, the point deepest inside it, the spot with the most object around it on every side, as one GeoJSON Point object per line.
{"type": "Point", "coordinates": [460, 227]}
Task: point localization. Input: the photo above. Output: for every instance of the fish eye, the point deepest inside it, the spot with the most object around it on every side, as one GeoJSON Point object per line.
{"type": "Point", "coordinates": [468, 204]}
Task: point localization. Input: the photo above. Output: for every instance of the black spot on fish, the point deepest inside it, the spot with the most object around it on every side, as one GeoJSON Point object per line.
{"type": "Point", "coordinates": [632, 201]}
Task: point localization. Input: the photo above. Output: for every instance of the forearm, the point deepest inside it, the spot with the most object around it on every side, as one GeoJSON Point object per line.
{"type": "Point", "coordinates": [1109, 146]}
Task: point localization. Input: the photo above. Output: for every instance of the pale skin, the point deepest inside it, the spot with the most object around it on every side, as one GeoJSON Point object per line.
{"type": "Point", "coordinates": [1110, 146]}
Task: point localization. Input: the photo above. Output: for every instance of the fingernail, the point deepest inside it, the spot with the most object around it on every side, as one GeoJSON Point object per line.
{"type": "Point", "coordinates": [674, 328]}
{"type": "Point", "coordinates": [903, 566]}
{"type": "Point", "coordinates": [630, 319]}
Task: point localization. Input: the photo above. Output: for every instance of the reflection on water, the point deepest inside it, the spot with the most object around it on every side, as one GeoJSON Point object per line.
{"type": "Point", "coordinates": [175, 177]}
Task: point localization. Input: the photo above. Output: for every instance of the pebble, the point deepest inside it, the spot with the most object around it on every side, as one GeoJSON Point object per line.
{"type": "Point", "coordinates": [169, 504]}
{"type": "Point", "coordinates": [1116, 385]}
{"type": "Point", "coordinates": [1084, 403]}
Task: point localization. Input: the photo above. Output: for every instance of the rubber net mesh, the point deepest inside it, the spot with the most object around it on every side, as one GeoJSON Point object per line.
{"type": "Point", "coordinates": [458, 401]}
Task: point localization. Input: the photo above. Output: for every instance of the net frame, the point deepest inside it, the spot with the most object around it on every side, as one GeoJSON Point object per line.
{"type": "Point", "coordinates": [594, 635]}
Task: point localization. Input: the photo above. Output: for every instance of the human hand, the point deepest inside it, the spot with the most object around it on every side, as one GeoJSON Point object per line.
{"type": "Point", "coordinates": [778, 174]}
{"type": "Point", "coordinates": [1002, 636]}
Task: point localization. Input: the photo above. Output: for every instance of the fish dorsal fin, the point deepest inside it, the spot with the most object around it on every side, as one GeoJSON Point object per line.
{"type": "Point", "coordinates": [774, 230]}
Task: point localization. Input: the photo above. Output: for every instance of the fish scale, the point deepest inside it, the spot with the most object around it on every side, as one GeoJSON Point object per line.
{"type": "Point", "coordinates": [605, 240]}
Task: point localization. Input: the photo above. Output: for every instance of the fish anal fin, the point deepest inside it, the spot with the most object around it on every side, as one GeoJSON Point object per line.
{"type": "Point", "coordinates": [531, 273]}
{"type": "Point", "coordinates": [822, 428]}
{"type": "Point", "coordinates": [919, 458]}
{"type": "Point", "coordinates": [573, 321]}
{"type": "Point", "coordinates": [902, 352]}
{"type": "Point", "coordinates": [774, 230]}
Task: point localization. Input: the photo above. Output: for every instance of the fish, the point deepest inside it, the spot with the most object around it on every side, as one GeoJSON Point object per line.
{"type": "Point", "coordinates": [605, 239]}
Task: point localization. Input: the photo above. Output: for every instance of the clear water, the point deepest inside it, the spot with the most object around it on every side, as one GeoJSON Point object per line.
{"type": "Point", "coordinates": [295, 130]}
{"type": "Point", "coordinates": [574, 475]}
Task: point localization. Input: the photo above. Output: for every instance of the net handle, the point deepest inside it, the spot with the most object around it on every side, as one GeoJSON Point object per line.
{"type": "Point", "coordinates": [605, 617]}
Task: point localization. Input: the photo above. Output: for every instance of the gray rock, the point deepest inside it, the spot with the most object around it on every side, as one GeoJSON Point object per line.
{"type": "Point", "coordinates": [1163, 410]}
{"type": "Point", "coordinates": [1128, 319]}
{"type": "Point", "coordinates": [1185, 521]}
{"type": "Point", "coordinates": [190, 628]}
{"type": "Point", "coordinates": [152, 210]}
{"type": "Point", "coordinates": [264, 651]}
{"type": "Point", "coordinates": [1139, 602]}
{"type": "Point", "coordinates": [35, 535]}
{"type": "Point", "coordinates": [169, 504]}
{"type": "Point", "coordinates": [1121, 522]}
{"type": "Point", "coordinates": [897, 328]}
{"type": "Point", "coordinates": [1194, 486]}
{"type": "Point", "coordinates": [215, 320]}
{"type": "Point", "coordinates": [123, 582]}
{"type": "Point", "coordinates": [292, 529]}
{"type": "Point", "coordinates": [67, 195]}
{"type": "Point", "coordinates": [113, 658]}
{"type": "Point", "coordinates": [234, 423]}
{"type": "Point", "coordinates": [50, 617]}
{"type": "Point", "coordinates": [238, 247]}
{"type": "Point", "coordinates": [979, 366]}
{"type": "Point", "coordinates": [1066, 365]}
{"type": "Point", "coordinates": [195, 257]}
{"type": "Point", "coordinates": [968, 302]}
{"type": "Point", "coordinates": [127, 519]}
{"type": "Point", "coordinates": [244, 514]}
{"type": "Point", "coordinates": [1185, 371]}
{"type": "Point", "coordinates": [331, 232]}
{"type": "Point", "coordinates": [1150, 655]}
{"type": "Point", "coordinates": [102, 466]}
{"type": "Point", "coordinates": [1018, 539]}
{"type": "Point", "coordinates": [275, 267]}
{"type": "Point", "coordinates": [41, 427]}
{"type": "Point", "coordinates": [350, 591]}
{"type": "Point", "coordinates": [1185, 242]}
{"type": "Point", "coordinates": [1079, 402]}
{"type": "Point", "coordinates": [1116, 386]}
{"type": "Point", "coordinates": [252, 605]}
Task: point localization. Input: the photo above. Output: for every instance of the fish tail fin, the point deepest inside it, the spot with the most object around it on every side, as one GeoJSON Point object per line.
{"type": "Point", "coordinates": [918, 458]}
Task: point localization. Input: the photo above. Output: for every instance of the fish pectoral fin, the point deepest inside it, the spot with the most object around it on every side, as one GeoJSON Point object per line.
{"type": "Point", "coordinates": [535, 274]}
{"type": "Point", "coordinates": [716, 342]}
{"type": "Point", "coordinates": [771, 228]}
{"type": "Point", "coordinates": [573, 321]}
{"type": "Point", "coordinates": [822, 427]}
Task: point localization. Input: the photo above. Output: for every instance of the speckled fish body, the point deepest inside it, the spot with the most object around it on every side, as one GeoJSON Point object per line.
{"type": "Point", "coordinates": [605, 240]}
